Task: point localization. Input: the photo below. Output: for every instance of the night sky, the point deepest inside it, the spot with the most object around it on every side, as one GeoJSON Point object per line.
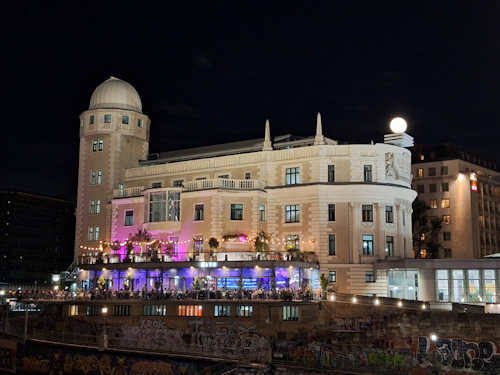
{"type": "Point", "coordinates": [213, 72]}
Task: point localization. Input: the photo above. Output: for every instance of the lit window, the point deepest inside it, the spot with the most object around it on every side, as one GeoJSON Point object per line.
{"type": "Point", "coordinates": [107, 118]}
{"type": "Point", "coordinates": [91, 234]}
{"type": "Point", "coordinates": [291, 313]}
{"type": "Point", "coordinates": [445, 203]}
{"type": "Point", "coordinates": [125, 120]}
{"type": "Point", "coordinates": [481, 220]}
{"type": "Point", "coordinates": [331, 244]}
{"type": "Point", "coordinates": [174, 205]}
{"type": "Point", "coordinates": [96, 233]}
{"type": "Point", "coordinates": [262, 212]}
{"type": "Point", "coordinates": [236, 211]}
{"type": "Point", "coordinates": [73, 310]}
{"type": "Point", "coordinates": [446, 219]}
{"type": "Point", "coordinates": [331, 212]}
{"type": "Point", "coordinates": [98, 206]}
{"type": "Point", "coordinates": [332, 276]}
{"type": "Point", "coordinates": [367, 212]}
{"type": "Point", "coordinates": [189, 310]}
{"type": "Point", "coordinates": [420, 172]}
{"type": "Point", "coordinates": [198, 244]}
{"type": "Point", "coordinates": [178, 183]}
{"type": "Point", "coordinates": [292, 213]}
{"type": "Point", "coordinates": [92, 207]}
{"type": "Point", "coordinates": [244, 311]}
{"type": "Point", "coordinates": [433, 203]}
{"type": "Point", "coordinates": [157, 206]}
{"type": "Point", "coordinates": [367, 173]}
{"type": "Point", "coordinates": [445, 186]}
{"type": "Point", "coordinates": [389, 246]}
{"type": "Point", "coordinates": [94, 145]}
{"type": "Point", "coordinates": [421, 157]}
{"type": "Point", "coordinates": [370, 276]}
{"type": "Point", "coordinates": [139, 123]}
{"type": "Point", "coordinates": [222, 310]}
{"type": "Point", "coordinates": [389, 214]}
{"type": "Point", "coordinates": [446, 236]}
{"type": "Point", "coordinates": [93, 177]}
{"type": "Point", "coordinates": [444, 170]}
{"type": "Point", "coordinates": [432, 188]}
{"type": "Point", "coordinates": [154, 310]}
{"type": "Point", "coordinates": [101, 144]}
{"type": "Point", "coordinates": [367, 244]}
{"type": "Point", "coordinates": [292, 176]}
{"type": "Point", "coordinates": [292, 242]}
{"type": "Point", "coordinates": [199, 212]}
{"type": "Point", "coordinates": [432, 171]}
{"type": "Point", "coordinates": [331, 173]}
{"type": "Point", "coordinates": [99, 177]}
{"type": "Point", "coordinates": [91, 120]}
{"type": "Point", "coordinates": [175, 242]}
{"type": "Point", "coordinates": [129, 218]}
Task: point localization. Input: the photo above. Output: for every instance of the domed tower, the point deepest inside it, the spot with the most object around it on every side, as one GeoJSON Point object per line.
{"type": "Point", "coordinates": [114, 135]}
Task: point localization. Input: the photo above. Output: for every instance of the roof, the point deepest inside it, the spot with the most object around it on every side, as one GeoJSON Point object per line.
{"type": "Point", "coordinates": [116, 94]}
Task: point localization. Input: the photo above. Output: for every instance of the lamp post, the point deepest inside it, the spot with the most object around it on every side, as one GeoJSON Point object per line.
{"type": "Point", "coordinates": [103, 339]}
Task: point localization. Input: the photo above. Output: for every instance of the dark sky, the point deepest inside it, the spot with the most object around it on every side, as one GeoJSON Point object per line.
{"type": "Point", "coordinates": [213, 71]}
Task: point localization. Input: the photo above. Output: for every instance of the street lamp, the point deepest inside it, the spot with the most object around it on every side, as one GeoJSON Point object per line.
{"type": "Point", "coordinates": [103, 340]}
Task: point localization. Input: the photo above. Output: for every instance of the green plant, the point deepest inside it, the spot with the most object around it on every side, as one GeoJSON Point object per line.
{"type": "Point", "coordinates": [213, 243]}
{"type": "Point", "coordinates": [101, 282]}
{"type": "Point", "coordinates": [197, 284]}
{"type": "Point", "coordinates": [261, 242]}
{"type": "Point", "coordinates": [323, 281]}
{"type": "Point", "coordinates": [240, 284]}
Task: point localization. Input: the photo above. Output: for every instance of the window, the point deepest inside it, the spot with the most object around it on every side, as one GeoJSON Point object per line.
{"type": "Point", "coordinates": [199, 212]}
{"type": "Point", "coordinates": [174, 206]}
{"type": "Point", "coordinates": [93, 175]}
{"type": "Point", "coordinates": [175, 242]}
{"type": "Point", "coordinates": [420, 189]}
{"type": "Point", "coordinates": [331, 173]}
{"type": "Point", "coordinates": [236, 211]}
{"type": "Point", "coordinates": [244, 311]}
{"type": "Point", "coordinates": [446, 236]}
{"type": "Point", "coordinates": [121, 310]}
{"type": "Point", "coordinates": [94, 145]}
{"type": "Point", "coordinates": [389, 215]}
{"type": "Point", "coordinates": [91, 120]}
{"type": "Point", "coordinates": [222, 310]}
{"type": "Point", "coordinates": [107, 118]}
{"type": "Point", "coordinates": [262, 212]}
{"type": "Point", "coordinates": [332, 276]}
{"type": "Point", "coordinates": [446, 219]}
{"type": "Point", "coordinates": [226, 176]}
{"type": "Point", "coordinates": [445, 186]}
{"type": "Point", "coordinates": [446, 253]}
{"type": "Point", "coordinates": [91, 234]}
{"type": "Point", "coordinates": [445, 203]}
{"type": "Point", "coordinates": [367, 175]}
{"type": "Point", "coordinates": [198, 243]}
{"type": "Point", "coordinates": [444, 170]}
{"type": "Point", "coordinates": [420, 172]}
{"type": "Point", "coordinates": [125, 120]}
{"type": "Point", "coordinates": [156, 185]}
{"type": "Point", "coordinates": [367, 212]}
{"type": "Point", "coordinates": [292, 176]}
{"type": "Point", "coordinates": [73, 310]}
{"type": "Point", "coordinates": [370, 276]}
{"type": "Point", "coordinates": [157, 206]}
{"type": "Point", "coordinates": [331, 244]}
{"type": "Point", "coordinates": [481, 220]}
{"type": "Point", "coordinates": [189, 310]}
{"type": "Point", "coordinates": [367, 244]}
{"type": "Point", "coordinates": [92, 207]}
{"type": "Point", "coordinates": [129, 218]}
{"type": "Point", "coordinates": [331, 212]}
{"type": "Point", "coordinates": [433, 203]}
{"type": "Point", "coordinates": [247, 176]}
{"type": "Point", "coordinates": [422, 157]}
{"type": "Point", "coordinates": [432, 188]}
{"type": "Point", "coordinates": [292, 213]}
{"type": "Point", "coordinates": [99, 177]}
{"type": "Point", "coordinates": [291, 313]}
{"type": "Point", "coordinates": [94, 310]}
{"type": "Point", "coordinates": [96, 236]}
{"type": "Point", "coordinates": [389, 246]}
{"type": "Point", "coordinates": [139, 123]}
{"type": "Point", "coordinates": [432, 171]}
{"type": "Point", "coordinates": [154, 310]}
{"type": "Point", "coordinates": [98, 206]}
{"type": "Point", "coordinates": [178, 183]}
{"type": "Point", "coordinates": [101, 144]}
{"type": "Point", "coordinates": [292, 242]}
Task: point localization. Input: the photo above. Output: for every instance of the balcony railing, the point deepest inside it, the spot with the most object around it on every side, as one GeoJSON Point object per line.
{"type": "Point", "coordinates": [128, 192]}
{"type": "Point", "coordinates": [223, 183]}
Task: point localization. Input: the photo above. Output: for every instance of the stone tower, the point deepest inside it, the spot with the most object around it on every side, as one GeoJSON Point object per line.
{"type": "Point", "coordinates": [114, 135]}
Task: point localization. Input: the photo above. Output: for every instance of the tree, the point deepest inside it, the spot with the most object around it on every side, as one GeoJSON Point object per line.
{"type": "Point", "coordinates": [261, 243]}
{"type": "Point", "coordinates": [323, 281]}
{"type": "Point", "coordinates": [425, 230]}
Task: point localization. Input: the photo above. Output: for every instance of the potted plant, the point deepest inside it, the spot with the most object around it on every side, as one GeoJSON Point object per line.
{"type": "Point", "coordinates": [101, 283]}
{"type": "Point", "coordinates": [213, 244]}
{"type": "Point", "coordinates": [323, 282]}
{"type": "Point", "coordinates": [261, 244]}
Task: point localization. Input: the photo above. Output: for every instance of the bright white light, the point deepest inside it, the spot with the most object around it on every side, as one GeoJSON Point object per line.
{"type": "Point", "coordinates": [433, 337]}
{"type": "Point", "coordinates": [398, 125]}
{"type": "Point", "coordinates": [354, 299]}
{"type": "Point", "coordinates": [400, 303]}
{"type": "Point", "coordinates": [104, 310]}
{"type": "Point", "coordinates": [377, 302]}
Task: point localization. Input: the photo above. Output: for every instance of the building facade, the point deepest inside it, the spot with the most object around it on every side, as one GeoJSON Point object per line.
{"type": "Point", "coordinates": [319, 207]}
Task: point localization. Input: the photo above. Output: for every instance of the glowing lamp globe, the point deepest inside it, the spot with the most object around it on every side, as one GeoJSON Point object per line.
{"type": "Point", "coordinates": [398, 125]}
